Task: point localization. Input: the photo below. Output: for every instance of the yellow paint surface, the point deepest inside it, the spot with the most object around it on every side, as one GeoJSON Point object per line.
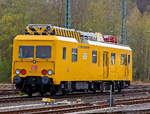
{"type": "Point", "coordinates": [66, 70]}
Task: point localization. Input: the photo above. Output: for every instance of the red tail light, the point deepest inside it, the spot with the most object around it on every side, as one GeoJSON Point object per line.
{"type": "Point", "coordinates": [44, 72]}
{"type": "Point", "coordinates": [23, 71]}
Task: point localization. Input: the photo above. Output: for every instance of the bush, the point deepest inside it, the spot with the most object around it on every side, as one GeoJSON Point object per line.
{"type": "Point", "coordinates": [5, 74]}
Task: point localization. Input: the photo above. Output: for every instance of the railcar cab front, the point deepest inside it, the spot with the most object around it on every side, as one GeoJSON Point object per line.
{"type": "Point", "coordinates": [33, 64]}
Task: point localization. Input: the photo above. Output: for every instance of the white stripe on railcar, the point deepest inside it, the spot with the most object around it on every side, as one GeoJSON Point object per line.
{"type": "Point", "coordinates": [109, 45]}
{"type": "Point", "coordinates": [68, 39]}
{"type": "Point", "coordinates": [96, 43]}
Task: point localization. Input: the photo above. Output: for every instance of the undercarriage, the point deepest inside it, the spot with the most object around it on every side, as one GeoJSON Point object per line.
{"type": "Point", "coordinates": [33, 84]}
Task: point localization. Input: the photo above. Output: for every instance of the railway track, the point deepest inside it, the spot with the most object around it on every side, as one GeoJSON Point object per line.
{"type": "Point", "coordinates": [7, 86]}
{"type": "Point", "coordinates": [80, 106]}
{"type": "Point", "coordinates": [12, 100]}
{"type": "Point", "coordinates": [8, 90]}
{"type": "Point", "coordinates": [4, 101]}
{"type": "Point", "coordinates": [89, 99]}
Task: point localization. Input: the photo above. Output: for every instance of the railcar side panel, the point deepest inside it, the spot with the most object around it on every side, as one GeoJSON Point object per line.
{"type": "Point", "coordinates": [84, 70]}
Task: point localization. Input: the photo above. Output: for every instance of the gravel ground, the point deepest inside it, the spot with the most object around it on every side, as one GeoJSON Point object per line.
{"type": "Point", "coordinates": [84, 98]}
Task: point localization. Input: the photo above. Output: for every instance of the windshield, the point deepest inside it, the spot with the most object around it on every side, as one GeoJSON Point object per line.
{"type": "Point", "coordinates": [26, 51]}
{"type": "Point", "coordinates": [43, 51]}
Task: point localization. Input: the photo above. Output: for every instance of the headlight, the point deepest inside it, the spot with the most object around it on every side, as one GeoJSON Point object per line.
{"type": "Point", "coordinates": [45, 80]}
{"type": "Point", "coordinates": [17, 71]}
{"type": "Point", "coordinates": [49, 72]}
{"type": "Point", "coordinates": [17, 79]}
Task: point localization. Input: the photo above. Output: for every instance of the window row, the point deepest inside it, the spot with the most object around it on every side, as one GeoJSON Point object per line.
{"type": "Point", "coordinates": [74, 54]}
{"type": "Point", "coordinates": [123, 59]}
{"type": "Point", "coordinates": [94, 57]}
{"type": "Point", "coordinates": [41, 51]}
{"type": "Point", "coordinates": [45, 52]}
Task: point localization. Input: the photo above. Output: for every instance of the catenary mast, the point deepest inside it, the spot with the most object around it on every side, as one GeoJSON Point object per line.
{"type": "Point", "coordinates": [68, 16]}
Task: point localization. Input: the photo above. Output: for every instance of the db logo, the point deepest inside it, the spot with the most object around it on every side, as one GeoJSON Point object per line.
{"type": "Point", "coordinates": [34, 68]}
{"type": "Point", "coordinates": [68, 69]}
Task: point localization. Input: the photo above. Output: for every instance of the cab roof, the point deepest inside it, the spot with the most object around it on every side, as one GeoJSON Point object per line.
{"type": "Point", "coordinates": [36, 37]}
{"type": "Point", "coordinates": [67, 39]}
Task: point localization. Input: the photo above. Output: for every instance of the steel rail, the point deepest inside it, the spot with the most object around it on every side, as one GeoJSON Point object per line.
{"type": "Point", "coordinates": [80, 107]}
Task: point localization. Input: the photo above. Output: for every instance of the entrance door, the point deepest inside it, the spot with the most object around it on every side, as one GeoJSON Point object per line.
{"type": "Point", "coordinates": [126, 65]}
{"type": "Point", "coordinates": [105, 64]}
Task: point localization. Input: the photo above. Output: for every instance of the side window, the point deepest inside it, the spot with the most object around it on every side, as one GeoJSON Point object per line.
{"type": "Point", "coordinates": [128, 59]}
{"type": "Point", "coordinates": [112, 58]}
{"type": "Point", "coordinates": [105, 59]}
{"type": "Point", "coordinates": [94, 56]}
{"type": "Point", "coordinates": [125, 59]}
{"type": "Point", "coordinates": [64, 53]}
{"type": "Point", "coordinates": [122, 59]}
{"type": "Point", "coordinates": [74, 54]}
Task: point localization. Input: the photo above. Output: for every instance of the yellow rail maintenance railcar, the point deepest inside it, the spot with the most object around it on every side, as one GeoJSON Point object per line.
{"type": "Point", "coordinates": [51, 59]}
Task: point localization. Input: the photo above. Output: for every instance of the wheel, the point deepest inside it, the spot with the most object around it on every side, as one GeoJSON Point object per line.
{"type": "Point", "coordinates": [119, 89]}
{"type": "Point", "coordinates": [64, 92]}
{"type": "Point", "coordinates": [101, 88]}
{"type": "Point", "coordinates": [86, 90]}
{"type": "Point", "coordinates": [29, 92]}
{"type": "Point", "coordinates": [42, 94]}
{"type": "Point", "coordinates": [113, 88]}
{"type": "Point", "coordinates": [53, 92]}
{"type": "Point", "coordinates": [94, 91]}
{"type": "Point", "coordinates": [101, 91]}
